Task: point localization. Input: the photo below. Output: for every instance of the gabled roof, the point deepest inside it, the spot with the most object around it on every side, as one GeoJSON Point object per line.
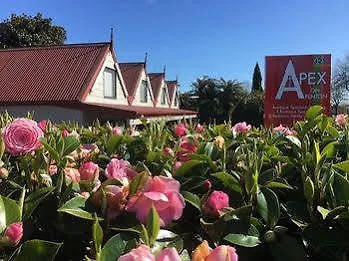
{"type": "Point", "coordinates": [132, 72]}
{"type": "Point", "coordinates": [156, 80]}
{"type": "Point", "coordinates": [57, 74]}
{"type": "Point", "coordinates": [171, 86]}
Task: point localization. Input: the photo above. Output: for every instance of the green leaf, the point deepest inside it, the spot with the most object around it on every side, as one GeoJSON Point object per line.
{"type": "Point", "coordinates": [75, 207]}
{"type": "Point", "coordinates": [138, 182]}
{"type": "Point", "coordinates": [34, 199]}
{"type": "Point", "coordinates": [191, 198]}
{"type": "Point", "coordinates": [288, 248]}
{"type": "Point", "coordinates": [97, 233]}
{"type": "Point", "coordinates": [275, 184]}
{"type": "Point", "coordinates": [113, 143]}
{"type": "Point", "coordinates": [70, 144]}
{"type": "Point", "coordinates": [323, 211]}
{"type": "Point", "coordinates": [153, 225]}
{"type": "Point", "coordinates": [113, 249]}
{"type": "Point", "coordinates": [321, 236]}
{"type": "Point", "coordinates": [309, 189]}
{"type": "Point", "coordinates": [343, 166]}
{"type": "Point", "coordinates": [295, 141]}
{"type": "Point", "coordinates": [268, 206]}
{"type": "Point", "coordinates": [341, 189]}
{"type": "Point", "coordinates": [50, 149]}
{"type": "Point", "coordinates": [317, 152]}
{"type": "Point", "coordinates": [313, 112]}
{"type": "Point", "coordinates": [188, 168]}
{"type": "Point", "coordinates": [229, 181]}
{"type": "Point", "coordinates": [243, 240]}
{"type": "Point", "coordinates": [9, 212]}
{"type": "Point", "coordinates": [38, 250]}
{"type": "Point", "coordinates": [329, 151]}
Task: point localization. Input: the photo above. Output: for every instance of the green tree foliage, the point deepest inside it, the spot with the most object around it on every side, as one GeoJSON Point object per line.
{"type": "Point", "coordinates": [220, 100]}
{"type": "Point", "coordinates": [257, 80]}
{"type": "Point", "coordinates": [25, 30]}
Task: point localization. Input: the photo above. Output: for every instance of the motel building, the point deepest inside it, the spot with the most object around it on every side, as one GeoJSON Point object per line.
{"type": "Point", "coordinates": [83, 82]}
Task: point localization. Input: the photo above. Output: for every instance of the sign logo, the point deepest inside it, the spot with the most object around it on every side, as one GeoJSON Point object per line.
{"type": "Point", "coordinates": [293, 84]}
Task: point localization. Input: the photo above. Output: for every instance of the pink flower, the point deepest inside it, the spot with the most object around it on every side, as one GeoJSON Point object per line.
{"type": "Point", "coordinates": [3, 173]}
{"type": "Point", "coordinates": [72, 174]}
{"type": "Point", "coordinates": [52, 170]}
{"type": "Point", "coordinates": [168, 152]}
{"type": "Point", "coordinates": [22, 136]}
{"type": "Point", "coordinates": [223, 253]}
{"type": "Point", "coordinates": [65, 133]}
{"type": "Point", "coordinates": [284, 130]}
{"type": "Point", "coordinates": [42, 125]}
{"type": "Point", "coordinates": [215, 202]}
{"type": "Point", "coordinates": [341, 119]}
{"type": "Point", "coordinates": [89, 171]}
{"type": "Point", "coordinates": [207, 184]}
{"type": "Point", "coordinates": [141, 253]}
{"type": "Point", "coordinates": [116, 199]}
{"type": "Point", "coordinates": [168, 254]}
{"type": "Point", "coordinates": [134, 132]}
{"type": "Point", "coordinates": [14, 233]}
{"type": "Point", "coordinates": [241, 127]}
{"type": "Point", "coordinates": [117, 130]}
{"type": "Point", "coordinates": [186, 146]}
{"type": "Point", "coordinates": [180, 130]}
{"type": "Point", "coordinates": [199, 128]}
{"type": "Point", "coordinates": [162, 193]}
{"type": "Point", "coordinates": [119, 169]}
{"type": "Point", "coordinates": [177, 164]}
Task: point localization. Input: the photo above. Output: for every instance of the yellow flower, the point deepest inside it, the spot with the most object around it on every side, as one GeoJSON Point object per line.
{"type": "Point", "coordinates": [219, 141]}
{"type": "Point", "coordinates": [201, 252]}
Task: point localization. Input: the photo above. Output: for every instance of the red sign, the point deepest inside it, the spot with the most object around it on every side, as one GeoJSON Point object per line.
{"type": "Point", "coordinates": [293, 84]}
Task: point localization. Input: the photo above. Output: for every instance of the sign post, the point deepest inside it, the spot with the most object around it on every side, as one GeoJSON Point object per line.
{"type": "Point", "coordinates": [293, 84]}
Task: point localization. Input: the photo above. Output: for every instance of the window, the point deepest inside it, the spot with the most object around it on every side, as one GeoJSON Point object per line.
{"type": "Point", "coordinates": [176, 99]}
{"type": "Point", "coordinates": [144, 91]}
{"type": "Point", "coordinates": [163, 96]}
{"type": "Point", "coordinates": [109, 83]}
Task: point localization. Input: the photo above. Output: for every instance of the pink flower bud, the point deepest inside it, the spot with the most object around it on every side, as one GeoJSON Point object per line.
{"type": "Point", "coordinates": [14, 233]}
{"type": "Point", "coordinates": [117, 131]}
{"type": "Point", "coordinates": [140, 253]}
{"type": "Point", "coordinates": [72, 174]}
{"type": "Point", "coordinates": [168, 152]}
{"type": "Point", "coordinates": [180, 130]}
{"type": "Point", "coordinates": [215, 202]}
{"type": "Point", "coordinates": [207, 184]}
{"type": "Point", "coordinates": [177, 164]}
{"type": "Point", "coordinates": [65, 133]}
{"type": "Point", "coordinates": [52, 170]}
{"type": "Point", "coordinates": [241, 127]}
{"type": "Point", "coordinates": [3, 173]}
{"type": "Point", "coordinates": [89, 171]}
{"type": "Point", "coordinates": [199, 128]}
{"type": "Point", "coordinates": [222, 253]}
{"type": "Point", "coordinates": [42, 125]}
{"type": "Point", "coordinates": [168, 254]}
{"type": "Point", "coordinates": [341, 119]}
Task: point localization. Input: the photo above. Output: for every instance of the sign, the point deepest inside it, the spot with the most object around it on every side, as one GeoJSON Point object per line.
{"type": "Point", "coordinates": [293, 84]}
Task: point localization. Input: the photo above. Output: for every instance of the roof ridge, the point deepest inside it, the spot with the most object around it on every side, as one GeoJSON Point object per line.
{"type": "Point", "coordinates": [131, 62]}
{"type": "Point", "coordinates": [38, 47]}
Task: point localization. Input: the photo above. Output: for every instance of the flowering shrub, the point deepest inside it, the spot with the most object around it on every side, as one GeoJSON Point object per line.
{"type": "Point", "coordinates": [183, 192]}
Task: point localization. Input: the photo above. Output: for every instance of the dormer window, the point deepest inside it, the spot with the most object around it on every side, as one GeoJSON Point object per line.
{"type": "Point", "coordinates": [176, 99]}
{"type": "Point", "coordinates": [163, 96]}
{"type": "Point", "coordinates": [144, 91]}
{"type": "Point", "coordinates": [109, 83]}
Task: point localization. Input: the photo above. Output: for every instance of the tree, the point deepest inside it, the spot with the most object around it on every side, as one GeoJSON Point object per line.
{"type": "Point", "coordinates": [340, 84]}
{"type": "Point", "coordinates": [25, 30]}
{"type": "Point", "coordinates": [257, 80]}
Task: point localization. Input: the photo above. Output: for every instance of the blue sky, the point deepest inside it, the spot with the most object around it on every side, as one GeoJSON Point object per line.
{"type": "Point", "coordinates": [219, 38]}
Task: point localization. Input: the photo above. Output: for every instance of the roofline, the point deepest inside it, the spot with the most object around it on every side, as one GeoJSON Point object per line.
{"type": "Point", "coordinates": [51, 46]}
{"type": "Point", "coordinates": [132, 63]}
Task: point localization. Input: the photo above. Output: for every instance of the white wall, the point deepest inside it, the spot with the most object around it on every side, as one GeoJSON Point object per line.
{"type": "Point", "coordinates": [96, 94]}
{"type": "Point", "coordinates": [43, 112]}
{"type": "Point", "coordinates": [137, 100]}
{"type": "Point", "coordinates": [166, 105]}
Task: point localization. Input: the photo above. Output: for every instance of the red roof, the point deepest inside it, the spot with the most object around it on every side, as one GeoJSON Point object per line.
{"type": "Point", "coordinates": [139, 111]}
{"type": "Point", "coordinates": [131, 73]}
{"type": "Point", "coordinates": [55, 74]}
{"type": "Point", "coordinates": [155, 81]}
{"type": "Point", "coordinates": [172, 86]}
